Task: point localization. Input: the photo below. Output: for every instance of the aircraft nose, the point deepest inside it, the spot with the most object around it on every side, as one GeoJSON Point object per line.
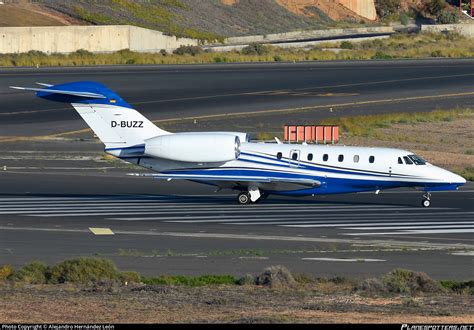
{"type": "Point", "coordinates": [456, 179]}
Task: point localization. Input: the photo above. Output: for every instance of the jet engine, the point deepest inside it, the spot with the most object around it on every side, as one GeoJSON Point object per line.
{"type": "Point", "coordinates": [194, 147]}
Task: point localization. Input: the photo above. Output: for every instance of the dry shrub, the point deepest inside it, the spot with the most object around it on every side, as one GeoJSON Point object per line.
{"type": "Point", "coordinates": [408, 281]}
{"type": "Point", "coordinates": [276, 277]}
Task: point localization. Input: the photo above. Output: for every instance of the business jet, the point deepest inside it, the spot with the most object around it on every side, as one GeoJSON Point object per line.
{"type": "Point", "coordinates": [229, 160]}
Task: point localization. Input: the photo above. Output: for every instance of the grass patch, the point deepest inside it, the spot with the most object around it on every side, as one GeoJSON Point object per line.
{"type": "Point", "coordinates": [190, 280]}
{"type": "Point", "coordinates": [33, 273]}
{"type": "Point", "coordinates": [396, 47]}
{"type": "Point", "coordinates": [146, 15]}
{"type": "Point", "coordinates": [467, 173]}
{"type": "Point", "coordinates": [461, 287]}
{"type": "Point", "coordinates": [365, 126]}
{"type": "Point", "coordinates": [98, 271]}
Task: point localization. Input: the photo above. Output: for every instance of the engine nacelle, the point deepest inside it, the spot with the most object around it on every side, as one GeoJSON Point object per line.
{"type": "Point", "coordinates": [195, 148]}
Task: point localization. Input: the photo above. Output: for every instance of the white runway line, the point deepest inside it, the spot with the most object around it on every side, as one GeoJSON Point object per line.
{"type": "Point", "coordinates": [411, 227]}
{"type": "Point", "coordinates": [94, 213]}
{"type": "Point", "coordinates": [413, 232]}
{"type": "Point", "coordinates": [237, 219]}
{"type": "Point", "coordinates": [373, 223]}
{"type": "Point", "coordinates": [345, 259]}
{"type": "Point", "coordinates": [464, 253]}
{"type": "Point", "coordinates": [173, 209]}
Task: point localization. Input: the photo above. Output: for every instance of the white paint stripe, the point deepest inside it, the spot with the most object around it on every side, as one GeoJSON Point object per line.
{"type": "Point", "coordinates": [183, 207]}
{"type": "Point", "coordinates": [112, 197]}
{"type": "Point", "coordinates": [85, 198]}
{"type": "Point", "coordinates": [256, 237]}
{"type": "Point", "coordinates": [265, 219]}
{"type": "Point", "coordinates": [199, 205]}
{"type": "Point", "coordinates": [413, 232]}
{"type": "Point", "coordinates": [411, 227]}
{"type": "Point", "coordinates": [351, 224]}
{"type": "Point", "coordinates": [345, 260]}
{"type": "Point", "coordinates": [417, 192]}
{"type": "Point", "coordinates": [92, 212]}
{"type": "Point", "coordinates": [87, 202]}
{"type": "Point", "coordinates": [464, 253]}
{"type": "Point", "coordinates": [155, 210]}
{"type": "Point", "coordinates": [369, 216]}
{"type": "Point", "coordinates": [353, 220]}
{"type": "Point", "coordinates": [375, 224]}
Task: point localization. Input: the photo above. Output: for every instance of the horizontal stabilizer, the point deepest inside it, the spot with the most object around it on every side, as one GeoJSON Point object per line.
{"type": "Point", "coordinates": [59, 91]}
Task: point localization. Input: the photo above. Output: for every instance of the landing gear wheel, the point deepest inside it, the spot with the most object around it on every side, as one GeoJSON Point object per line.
{"type": "Point", "coordinates": [426, 203]}
{"type": "Point", "coordinates": [243, 198]}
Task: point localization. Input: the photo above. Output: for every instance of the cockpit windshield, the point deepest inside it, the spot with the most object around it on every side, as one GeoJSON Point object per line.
{"type": "Point", "coordinates": [417, 160]}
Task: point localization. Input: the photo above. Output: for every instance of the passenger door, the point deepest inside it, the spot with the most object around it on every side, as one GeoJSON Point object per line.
{"type": "Point", "coordinates": [294, 158]}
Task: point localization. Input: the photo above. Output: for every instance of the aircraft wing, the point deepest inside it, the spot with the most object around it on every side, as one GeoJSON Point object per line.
{"type": "Point", "coordinates": [265, 183]}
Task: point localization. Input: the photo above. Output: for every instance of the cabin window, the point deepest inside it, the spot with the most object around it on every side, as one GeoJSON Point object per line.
{"type": "Point", "coordinates": [407, 160]}
{"type": "Point", "coordinates": [279, 155]}
{"type": "Point", "coordinates": [294, 156]}
{"type": "Point", "coordinates": [310, 157]}
{"type": "Point", "coordinates": [371, 159]}
{"type": "Point", "coordinates": [400, 161]}
{"type": "Point", "coordinates": [417, 160]}
{"type": "Point", "coordinates": [340, 158]}
{"type": "Point", "coordinates": [325, 157]}
{"type": "Point", "coordinates": [356, 158]}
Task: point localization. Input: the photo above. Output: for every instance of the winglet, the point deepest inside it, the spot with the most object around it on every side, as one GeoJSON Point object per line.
{"type": "Point", "coordinates": [43, 84]}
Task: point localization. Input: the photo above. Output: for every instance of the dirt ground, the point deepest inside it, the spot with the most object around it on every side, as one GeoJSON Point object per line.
{"type": "Point", "coordinates": [223, 304]}
{"type": "Point", "coordinates": [446, 144]}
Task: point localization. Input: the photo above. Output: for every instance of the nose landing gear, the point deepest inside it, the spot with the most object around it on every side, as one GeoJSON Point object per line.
{"type": "Point", "coordinates": [426, 202]}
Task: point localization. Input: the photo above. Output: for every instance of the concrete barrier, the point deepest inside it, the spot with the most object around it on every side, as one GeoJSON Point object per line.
{"type": "Point", "coordinates": [96, 39]}
{"type": "Point", "coordinates": [308, 35]}
{"type": "Point", "coordinates": [302, 44]}
{"type": "Point", "coordinates": [464, 29]}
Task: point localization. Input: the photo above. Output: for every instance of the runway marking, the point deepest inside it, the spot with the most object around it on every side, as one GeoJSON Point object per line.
{"type": "Point", "coordinates": [345, 259]}
{"type": "Point", "coordinates": [385, 221]}
{"type": "Point", "coordinates": [171, 208]}
{"type": "Point", "coordinates": [464, 253]}
{"type": "Point", "coordinates": [105, 213]}
{"type": "Point", "coordinates": [293, 220]}
{"type": "Point", "coordinates": [368, 219]}
{"type": "Point", "coordinates": [412, 232]}
{"type": "Point", "coordinates": [387, 243]}
{"type": "Point", "coordinates": [101, 231]}
{"type": "Point", "coordinates": [458, 225]}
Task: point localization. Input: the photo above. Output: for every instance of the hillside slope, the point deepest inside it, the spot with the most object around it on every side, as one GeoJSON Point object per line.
{"type": "Point", "coordinates": [192, 18]}
{"type": "Point", "coordinates": [203, 19]}
{"type": "Point", "coordinates": [25, 13]}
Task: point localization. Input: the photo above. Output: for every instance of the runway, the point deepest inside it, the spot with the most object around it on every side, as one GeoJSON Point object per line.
{"type": "Point", "coordinates": [198, 231]}
{"type": "Point", "coordinates": [348, 219]}
{"type": "Point", "coordinates": [272, 93]}
{"type": "Point", "coordinates": [59, 198]}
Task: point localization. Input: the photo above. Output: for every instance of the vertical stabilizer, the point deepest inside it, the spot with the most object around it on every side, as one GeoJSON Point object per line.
{"type": "Point", "coordinates": [112, 119]}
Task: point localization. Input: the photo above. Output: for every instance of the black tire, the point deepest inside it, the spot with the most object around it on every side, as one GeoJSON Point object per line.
{"type": "Point", "coordinates": [426, 203]}
{"type": "Point", "coordinates": [243, 198]}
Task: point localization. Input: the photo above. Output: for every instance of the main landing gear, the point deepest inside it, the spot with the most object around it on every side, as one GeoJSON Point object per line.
{"type": "Point", "coordinates": [426, 202]}
{"type": "Point", "coordinates": [253, 195]}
